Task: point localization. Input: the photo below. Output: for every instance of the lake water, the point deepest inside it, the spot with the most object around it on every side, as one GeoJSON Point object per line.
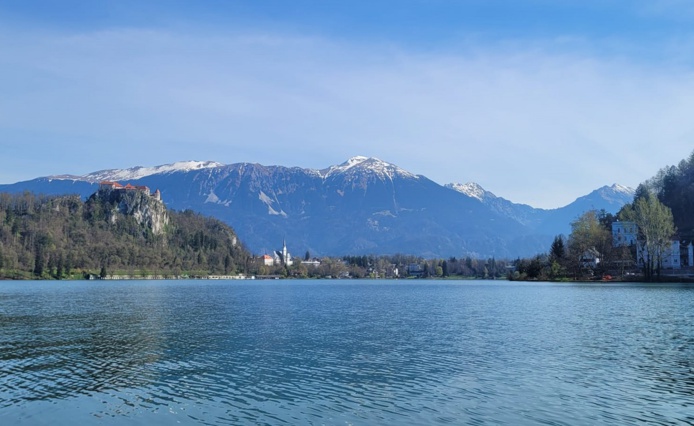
{"type": "Point", "coordinates": [345, 352]}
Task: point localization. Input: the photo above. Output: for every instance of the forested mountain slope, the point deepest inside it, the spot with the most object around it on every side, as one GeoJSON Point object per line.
{"type": "Point", "coordinates": [674, 186]}
{"type": "Point", "coordinates": [62, 236]}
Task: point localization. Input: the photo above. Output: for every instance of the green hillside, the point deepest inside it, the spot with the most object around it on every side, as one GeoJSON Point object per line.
{"type": "Point", "coordinates": [58, 237]}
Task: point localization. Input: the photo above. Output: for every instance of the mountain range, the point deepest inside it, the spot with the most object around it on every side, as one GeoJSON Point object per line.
{"type": "Point", "coordinates": [362, 206]}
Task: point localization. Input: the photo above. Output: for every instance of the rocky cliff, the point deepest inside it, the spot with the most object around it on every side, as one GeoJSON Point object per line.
{"type": "Point", "coordinates": [148, 211]}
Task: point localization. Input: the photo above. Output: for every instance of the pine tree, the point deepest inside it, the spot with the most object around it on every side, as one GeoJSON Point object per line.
{"type": "Point", "coordinates": [38, 263]}
{"type": "Point", "coordinates": [557, 252]}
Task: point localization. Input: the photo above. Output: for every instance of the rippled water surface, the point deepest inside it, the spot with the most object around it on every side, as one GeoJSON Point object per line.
{"type": "Point", "coordinates": [345, 352]}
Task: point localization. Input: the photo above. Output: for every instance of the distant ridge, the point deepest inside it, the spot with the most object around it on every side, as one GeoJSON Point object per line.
{"type": "Point", "coordinates": [551, 221]}
{"type": "Point", "coordinates": [139, 172]}
{"type": "Point", "coordinates": [362, 206]}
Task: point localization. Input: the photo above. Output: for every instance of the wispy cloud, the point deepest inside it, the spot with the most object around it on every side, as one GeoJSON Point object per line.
{"type": "Point", "coordinates": [514, 117]}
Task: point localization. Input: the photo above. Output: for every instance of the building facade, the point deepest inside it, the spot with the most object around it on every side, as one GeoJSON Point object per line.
{"type": "Point", "coordinates": [625, 234]}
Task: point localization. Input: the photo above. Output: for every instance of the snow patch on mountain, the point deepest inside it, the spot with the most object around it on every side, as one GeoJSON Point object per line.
{"type": "Point", "coordinates": [265, 198]}
{"type": "Point", "coordinates": [140, 171]}
{"type": "Point", "coordinates": [64, 177]}
{"type": "Point", "coordinates": [471, 189]}
{"type": "Point", "coordinates": [360, 164]}
{"type": "Point", "coordinates": [622, 189]}
{"type": "Point", "coordinates": [214, 199]}
{"type": "Point", "coordinates": [269, 202]}
{"type": "Point", "coordinates": [615, 194]}
{"type": "Point", "coordinates": [273, 212]}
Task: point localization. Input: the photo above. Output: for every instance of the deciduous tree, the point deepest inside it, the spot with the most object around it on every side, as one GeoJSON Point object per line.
{"type": "Point", "coordinates": [587, 234]}
{"type": "Point", "coordinates": [655, 231]}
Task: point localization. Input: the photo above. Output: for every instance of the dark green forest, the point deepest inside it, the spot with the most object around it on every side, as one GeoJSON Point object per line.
{"type": "Point", "coordinates": [59, 237]}
{"type": "Point", "coordinates": [674, 187]}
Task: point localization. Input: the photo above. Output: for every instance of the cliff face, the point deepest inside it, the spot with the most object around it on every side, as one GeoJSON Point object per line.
{"type": "Point", "coordinates": [63, 237]}
{"type": "Point", "coordinates": [147, 211]}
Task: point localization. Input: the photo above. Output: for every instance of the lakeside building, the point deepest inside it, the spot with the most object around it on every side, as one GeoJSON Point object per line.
{"type": "Point", "coordinates": [625, 234]}
{"type": "Point", "coordinates": [283, 257]}
{"type": "Point", "coordinates": [278, 257]}
{"type": "Point", "coordinates": [670, 257]}
{"type": "Point", "coordinates": [415, 270]}
{"type": "Point", "coordinates": [590, 258]}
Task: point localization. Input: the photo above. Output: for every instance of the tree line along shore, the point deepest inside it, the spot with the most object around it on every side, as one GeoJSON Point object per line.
{"type": "Point", "coordinates": [111, 236]}
{"type": "Point", "coordinates": [130, 234]}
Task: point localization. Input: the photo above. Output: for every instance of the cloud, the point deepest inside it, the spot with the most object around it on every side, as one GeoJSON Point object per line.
{"type": "Point", "coordinates": [533, 122]}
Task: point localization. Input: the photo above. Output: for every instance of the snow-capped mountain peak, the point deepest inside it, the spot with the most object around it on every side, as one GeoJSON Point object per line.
{"type": "Point", "coordinates": [614, 194]}
{"type": "Point", "coordinates": [362, 205]}
{"type": "Point", "coordinates": [622, 189]}
{"type": "Point", "coordinates": [367, 164]}
{"type": "Point", "coordinates": [358, 159]}
{"type": "Point", "coordinates": [140, 171]}
{"type": "Point", "coordinates": [471, 189]}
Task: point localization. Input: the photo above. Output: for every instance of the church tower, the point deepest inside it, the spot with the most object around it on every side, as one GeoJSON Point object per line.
{"type": "Point", "coordinates": [286, 257]}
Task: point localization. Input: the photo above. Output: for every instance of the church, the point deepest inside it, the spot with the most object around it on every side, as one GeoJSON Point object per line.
{"type": "Point", "coordinates": [283, 257]}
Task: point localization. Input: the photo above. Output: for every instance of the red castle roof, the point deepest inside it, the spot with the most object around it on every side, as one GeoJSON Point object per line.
{"type": "Point", "coordinates": [127, 187]}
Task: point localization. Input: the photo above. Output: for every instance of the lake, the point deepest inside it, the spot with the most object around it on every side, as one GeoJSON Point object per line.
{"type": "Point", "coordinates": [345, 353]}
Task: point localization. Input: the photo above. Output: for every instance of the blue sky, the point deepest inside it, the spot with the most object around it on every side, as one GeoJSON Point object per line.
{"type": "Point", "coordinates": [538, 101]}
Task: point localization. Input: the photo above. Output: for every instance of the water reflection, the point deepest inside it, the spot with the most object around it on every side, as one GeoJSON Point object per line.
{"type": "Point", "coordinates": [329, 353]}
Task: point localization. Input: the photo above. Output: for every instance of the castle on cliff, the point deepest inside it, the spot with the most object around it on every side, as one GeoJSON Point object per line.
{"type": "Point", "coordinates": [115, 186]}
